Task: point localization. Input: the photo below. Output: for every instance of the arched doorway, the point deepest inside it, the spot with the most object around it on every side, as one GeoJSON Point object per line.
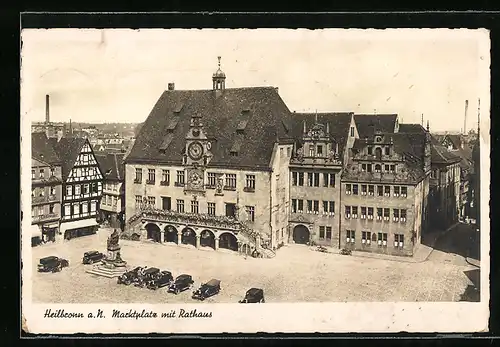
{"type": "Point", "coordinates": [207, 239]}
{"type": "Point", "coordinates": [188, 237]}
{"type": "Point", "coordinates": [245, 249]}
{"type": "Point", "coordinates": [301, 234]}
{"type": "Point", "coordinates": [170, 234]}
{"type": "Point", "coordinates": [153, 232]}
{"type": "Point", "coordinates": [228, 241]}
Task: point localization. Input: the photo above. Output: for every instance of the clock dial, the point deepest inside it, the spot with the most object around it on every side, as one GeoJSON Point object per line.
{"type": "Point", "coordinates": [195, 150]}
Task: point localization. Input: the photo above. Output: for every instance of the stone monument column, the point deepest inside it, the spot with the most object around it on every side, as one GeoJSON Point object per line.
{"type": "Point", "coordinates": [216, 243]}
{"type": "Point", "coordinates": [179, 237]}
{"type": "Point", "coordinates": [197, 241]}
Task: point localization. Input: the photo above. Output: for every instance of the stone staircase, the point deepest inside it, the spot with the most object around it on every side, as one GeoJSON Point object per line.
{"type": "Point", "coordinates": [108, 272]}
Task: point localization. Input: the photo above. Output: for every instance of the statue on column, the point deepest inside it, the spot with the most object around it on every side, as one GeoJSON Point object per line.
{"type": "Point", "coordinates": [114, 257]}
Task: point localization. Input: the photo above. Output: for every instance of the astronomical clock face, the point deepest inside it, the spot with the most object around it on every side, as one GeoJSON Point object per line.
{"type": "Point", "coordinates": [195, 180]}
{"type": "Point", "coordinates": [195, 150]}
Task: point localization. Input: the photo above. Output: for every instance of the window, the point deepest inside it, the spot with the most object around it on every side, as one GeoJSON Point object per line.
{"type": "Point", "coordinates": [379, 214]}
{"type": "Point", "coordinates": [331, 208]}
{"type": "Point", "coordinates": [399, 240]}
{"type": "Point", "coordinates": [211, 208]}
{"type": "Point", "coordinates": [76, 209]}
{"type": "Point", "coordinates": [295, 175]}
{"type": "Point", "coordinates": [378, 168]}
{"type": "Point", "coordinates": [366, 237]}
{"type": "Point", "coordinates": [350, 236]}
{"type": "Point", "coordinates": [382, 239]}
{"type": "Point", "coordinates": [319, 150]}
{"type": "Point", "coordinates": [51, 208]}
{"type": "Point", "coordinates": [363, 212]}
{"type": "Point", "coordinates": [251, 182]}
{"type": "Point", "coordinates": [393, 168]}
{"type": "Point", "coordinates": [165, 177]}
{"type": "Point", "coordinates": [396, 191]}
{"type": "Point", "coordinates": [42, 173]}
{"type": "Point", "coordinates": [33, 174]}
{"type": "Point", "coordinates": [386, 214]}
{"type": "Point", "coordinates": [309, 179]}
{"type": "Point", "coordinates": [33, 192]}
{"type": "Point", "coordinates": [348, 189]}
{"type": "Point", "coordinates": [138, 176]}
{"type": "Point", "coordinates": [328, 233]}
{"type": "Point", "coordinates": [395, 215]}
{"type": "Point", "coordinates": [138, 201]}
{"type": "Point", "coordinates": [370, 213]}
{"type": "Point", "coordinates": [288, 152]}
{"type": "Point", "coordinates": [325, 179]}
{"type": "Point", "coordinates": [378, 152]}
{"type": "Point", "coordinates": [316, 179]}
{"type": "Point", "coordinates": [348, 212]}
{"type": "Point", "coordinates": [354, 189]}
{"type": "Point", "coordinates": [85, 206]}
{"type": "Point", "coordinates": [301, 179]}
{"type": "Point", "coordinates": [370, 150]}
{"type": "Point", "coordinates": [195, 207]}
{"type": "Point", "coordinates": [403, 216]}
{"type": "Point", "coordinates": [311, 150]}
{"type": "Point", "coordinates": [386, 168]}
{"type": "Point", "coordinates": [404, 192]}
{"type": "Point", "coordinates": [309, 206]}
{"type": "Point", "coordinates": [387, 191]}
{"type": "Point", "coordinates": [316, 206]}
{"type": "Point", "coordinates": [41, 192]}
{"type": "Point", "coordinates": [180, 205]}
{"type": "Point", "coordinates": [151, 201]}
{"type": "Point", "coordinates": [369, 168]}
{"type": "Point", "coordinates": [93, 206]}
{"type": "Point", "coordinates": [231, 181]}
{"type": "Point", "coordinates": [325, 207]}
{"type": "Point", "coordinates": [212, 179]}
{"type": "Point", "coordinates": [86, 188]}
{"type": "Point", "coordinates": [363, 167]}
{"type": "Point", "coordinates": [371, 190]}
{"type": "Point", "coordinates": [250, 213]}
{"type": "Point", "coordinates": [363, 189]}
{"type": "Point", "coordinates": [40, 210]}
{"type": "Point", "coordinates": [352, 132]}
{"type": "Point", "coordinates": [380, 190]}
{"type": "Point", "coordinates": [281, 152]}
{"type": "Point", "coordinates": [77, 190]}
{"type": "Point", "coordinates": [294, 205]}
{"type": "Point", "coordinates": [434, 173]}
{"type": "Point", "coordinates": [354, 211]}
{"type": "Point", "coordinates": [332, 180]}
{"type": "Point", "coordinates": [321, 232]}
{"type": "Point", "coordinates": [180, 178]}
{"type": "Point", "coordinates": [300, 205]}
{"type": "Point", "coordinates": [166, 203]}
{"type": "Point", "coordinates": [67, 210]}
{"type": "Point", "coordinates": [387, 151]}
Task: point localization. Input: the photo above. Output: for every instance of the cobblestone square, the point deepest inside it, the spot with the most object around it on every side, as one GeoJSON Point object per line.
{"type": "Point", "coordinates": [296, 274]}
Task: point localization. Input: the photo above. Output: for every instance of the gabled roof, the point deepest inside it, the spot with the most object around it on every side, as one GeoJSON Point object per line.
{"type": "Point", "coordinates": [68, 148]}
{"type": "Point", "coordinates": [411, 128]}
{"type": "Point", "coordinates": [338, 124]}
{"type": "Point", "coordinates": [456, 140]}
{"type": "Point", "coordinates": [440, 154]}
{"type": "Point", "coordinates": [220, 116]}
{"type": "Point", "coordinates": [112, 166]}
{"type": "Point", "coordinates": [368, 124]}
{"type": "Point", "coordinates": [42, 149]}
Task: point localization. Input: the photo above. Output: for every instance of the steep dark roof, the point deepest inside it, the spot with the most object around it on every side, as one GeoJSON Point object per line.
{"type": "Point", "coordinates": [367, 124]}
{"type": "Point", "coordinates": [42, 149]}
{"type": "Point", "coordinates": [268, 119]}
{"type": "Point", "coordinates": [456, 140]}
{"type": "Point", "coordinates": [338, 122]}
{"type": "Point", "coordinates": [411, 128]}
{"type": "Point", "coordinates": [111, 165]}
{"type": "Point", "coordinates": [68, 149]}
{"type": "Point", "coordinates": [441, 155]}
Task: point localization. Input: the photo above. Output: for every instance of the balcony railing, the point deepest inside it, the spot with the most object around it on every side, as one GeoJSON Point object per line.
{"type": "Point", "coordinates": [45, 217]}
{"type": "Point", "coordinates": [44, 199]}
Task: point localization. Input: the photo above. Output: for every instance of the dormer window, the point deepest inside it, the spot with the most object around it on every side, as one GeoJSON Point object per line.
{"type": "Point", "coordinates": [370, 150]}
{"type": "Point", "coordinates": [320, 150]}
{"type": "Point", "coordinates": [387, 150]}
{"type": "Point", "coordinates": [311, 150]}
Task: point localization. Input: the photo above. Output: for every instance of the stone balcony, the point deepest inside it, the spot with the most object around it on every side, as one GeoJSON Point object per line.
{"type": "Point", "coordinates": [36, 200]}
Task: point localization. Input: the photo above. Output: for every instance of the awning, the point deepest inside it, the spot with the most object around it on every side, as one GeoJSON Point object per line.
{"type": "Point", "coordinates": [35, 231]}
{"type": "Point", "coordinates": [83, 223]}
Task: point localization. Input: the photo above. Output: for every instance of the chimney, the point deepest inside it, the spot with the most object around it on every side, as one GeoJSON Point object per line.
{"type": "Point", "coordinates": [47, 110]}
{"type": "Point", "coordinates": [171, 86]}
{"type": "Point", "coordinates": [465, 116]}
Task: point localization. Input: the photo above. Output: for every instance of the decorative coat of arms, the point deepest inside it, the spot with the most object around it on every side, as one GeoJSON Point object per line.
{"type": "Point", "coordinates": [195, 179]}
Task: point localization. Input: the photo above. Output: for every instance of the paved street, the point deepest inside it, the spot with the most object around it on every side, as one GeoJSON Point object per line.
{"type": "Point", "coordinates": [296, 274]}
{"type": "Point", "coordinates": [457, 244]}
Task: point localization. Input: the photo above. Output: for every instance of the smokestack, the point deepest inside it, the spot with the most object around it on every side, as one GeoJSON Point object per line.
{"type": "Point", "coordinates": [465, 116]}
{"type": "Point", "coordinates": [422, 119]}
{"type": "Point", "coordinates": [47, 109]}
{"type": "Point", "coordinates": [171, 86]}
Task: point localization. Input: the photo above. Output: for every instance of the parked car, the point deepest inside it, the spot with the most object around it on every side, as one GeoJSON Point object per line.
{"type": "Point", "coordinates": [92, 257]}
{"type": "Point", "coordinates": [129, 276]}
{"type": "Point", "coordinates": [181, 283]}
{"type": "Point", "coordinates": [145, 276]}
{"type": "Point", "coordinates": [252, 296]}
{"type": "Point", "coordinates": [162, 279]}
{"type": "Point", "coordinates": [207, 290]}
{"type": "Point", "coordinates": [52, 264]}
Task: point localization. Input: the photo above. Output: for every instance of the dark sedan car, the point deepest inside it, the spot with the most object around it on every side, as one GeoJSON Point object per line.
{"type": "Point", "coordinates": [162, 279]}
{"type": "Point", "coordinates": [129, 276]}
{"type": "Point", "coordinates": [207, 290]}
{"type": "Point", "coordinates": [143, 277]}
{"type": "Point", "coordinates": [92, 257]}
{"type": "Point", "coordinates": [181, 283]}
{"type": "Point", "coordinates": [52, 264]}
{"type": "Point", "coordinates": [252, 296]}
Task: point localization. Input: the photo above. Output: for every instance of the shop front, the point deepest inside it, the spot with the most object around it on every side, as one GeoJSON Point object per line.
{"type": "Point", "coordinates": [79, 228]}
{"type": "Point", "coordinates": [36, 235]}
{"type": "Point", "coordinates": [49, 232]}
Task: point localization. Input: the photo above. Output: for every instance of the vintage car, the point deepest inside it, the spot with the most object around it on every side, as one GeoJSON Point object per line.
{"type": "Point", "coordinates": [162, 279]}
{"type": "Point", "coordinates": [129, 276]}
{"type": "Point", "coordinates": [92, 257]}
{"type": "Point", "coordinates": [181, 283]}
{"type": "Point", "coordinates": [146, 275]}
{"type": "Point", "coordinates": [52, 264]}
{"type": "Point", "coordinates": [207, 290]}
{"type": "Point", "coordinates": [252, 296]}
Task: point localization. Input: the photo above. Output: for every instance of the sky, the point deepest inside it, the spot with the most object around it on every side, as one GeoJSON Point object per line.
{"type": "Point", "coordinates": [118, 75]}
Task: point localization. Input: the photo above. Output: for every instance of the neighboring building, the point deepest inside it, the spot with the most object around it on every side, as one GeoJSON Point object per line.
{"type": "Point", "coordinates": [82, 187]}
{"type": "Point", "coordinates": [385, 187]}
{"type": "Point", "coordinates": [46, 181]}
{"type": "Point", "coordinates": [444, 196]}
{"type": "Point", "coordinates": [315, 167]}
{"type": "Point", "coordinates": [50, 129]}
{"type": "Point", "coordinates": [112, 206]}
{"type": "Point", "coordinates": [210, 168]}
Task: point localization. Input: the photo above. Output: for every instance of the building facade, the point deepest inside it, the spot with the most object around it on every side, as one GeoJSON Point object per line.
{"type": "Point", "coordinates": [81, 188]}
{"type": "Point", "coordinates": [46, 188]}
{"type": "Point", "coordinates": [112, 206]}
